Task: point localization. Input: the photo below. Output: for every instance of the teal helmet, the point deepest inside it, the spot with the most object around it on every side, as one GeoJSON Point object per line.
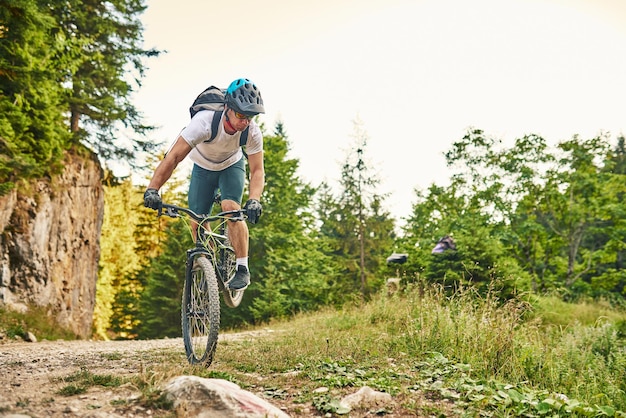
{"type": "Point", "coordinates": [243, 96]}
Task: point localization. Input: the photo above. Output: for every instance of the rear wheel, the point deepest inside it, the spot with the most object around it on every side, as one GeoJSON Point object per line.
{"type": "Point", "coordinates": [200, 316]}
{"type": "Point", "coordinates": [228, 264]}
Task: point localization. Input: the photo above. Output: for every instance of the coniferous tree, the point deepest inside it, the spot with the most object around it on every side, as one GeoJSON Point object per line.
{"type": "Point", "coordinates": [132, 236]}
{"type": "Point", "coordinates": [119, 259]}
{"type": "Point", "coordinates": [357, 230]}
{"type": "Point", "coordinates": [289, 272]}
{"type": "Point", "coordinates": [141, 294]}
{"type": "Point", "coordinates": [67, 64]}
{"type": "Point", "coordinates": [159, 305]}
{"type": "Point", "coordinates": [104, 45]}
{"type": "Point", "coordinates": [32, 133]}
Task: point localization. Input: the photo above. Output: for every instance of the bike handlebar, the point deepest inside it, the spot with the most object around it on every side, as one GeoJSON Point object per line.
{"type": "Point", "coordinates": [173, 212]}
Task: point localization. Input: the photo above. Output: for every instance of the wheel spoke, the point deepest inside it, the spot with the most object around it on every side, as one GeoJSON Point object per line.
{"type": "Point", "coordinates": [200, 317]}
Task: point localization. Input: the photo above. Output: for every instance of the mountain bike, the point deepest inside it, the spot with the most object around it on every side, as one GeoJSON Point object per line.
{"type": "Point", "coordinates": [209, 265]}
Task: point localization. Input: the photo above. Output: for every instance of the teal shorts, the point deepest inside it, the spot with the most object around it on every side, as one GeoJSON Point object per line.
{"type": "Point", "coordinates": [206, 183]}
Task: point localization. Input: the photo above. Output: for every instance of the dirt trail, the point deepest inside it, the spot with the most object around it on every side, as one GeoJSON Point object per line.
{"type": "Point", "coordinates": [30, 376]}
{"type": "Point", "coordinates": [33, 374]}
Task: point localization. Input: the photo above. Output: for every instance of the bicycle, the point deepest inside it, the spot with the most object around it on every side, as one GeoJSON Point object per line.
{"type": "Point", "coordinates": [209, 265]}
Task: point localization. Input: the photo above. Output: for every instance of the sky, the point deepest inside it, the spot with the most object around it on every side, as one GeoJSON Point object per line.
{"type": "Point", "coordinates": [414, 74]}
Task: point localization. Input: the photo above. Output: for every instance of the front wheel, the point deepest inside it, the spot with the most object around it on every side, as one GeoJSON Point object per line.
{"type": "Point", "coordinates": [200, 311]}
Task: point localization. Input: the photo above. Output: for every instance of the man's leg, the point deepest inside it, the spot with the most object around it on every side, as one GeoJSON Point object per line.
{"type": "Point", "coordinates": [231, 185]}
{"type": "Point", "coordinates": [237, 231]}
{"type": "Point", "coordinates": [201, 193]}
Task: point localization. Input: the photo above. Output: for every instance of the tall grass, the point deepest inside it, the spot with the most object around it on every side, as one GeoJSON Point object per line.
{"type": "Point", "coordinates": [579, 353]}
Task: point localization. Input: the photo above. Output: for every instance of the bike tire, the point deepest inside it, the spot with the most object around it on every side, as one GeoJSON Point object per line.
{"type": "Point", "coordinates": [200, 311]}
{"type": "Point", "coordinates": [228, 264]}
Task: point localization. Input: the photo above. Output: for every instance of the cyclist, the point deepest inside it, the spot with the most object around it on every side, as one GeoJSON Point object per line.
{"type": "Point", "coordinates": [220, 164]}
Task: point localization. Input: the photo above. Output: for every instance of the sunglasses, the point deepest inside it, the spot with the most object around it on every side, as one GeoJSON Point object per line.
{"type": "Point", "coordinates": [241, 115]}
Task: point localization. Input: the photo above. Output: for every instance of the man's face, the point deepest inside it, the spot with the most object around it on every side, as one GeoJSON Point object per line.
{"type": "Point", "coordinates": [239, 121]}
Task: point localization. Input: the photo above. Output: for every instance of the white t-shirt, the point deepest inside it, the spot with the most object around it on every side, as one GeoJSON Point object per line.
{"type": "Point", "coordinates": [224, 150]}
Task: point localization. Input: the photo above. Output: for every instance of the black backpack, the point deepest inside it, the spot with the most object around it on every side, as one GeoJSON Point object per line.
{"type": "Point", "coordinates": [213, 98]}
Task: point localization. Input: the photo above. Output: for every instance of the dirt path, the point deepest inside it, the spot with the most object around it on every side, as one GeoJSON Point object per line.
{"type": "Point", "coordinates": [32, 374]}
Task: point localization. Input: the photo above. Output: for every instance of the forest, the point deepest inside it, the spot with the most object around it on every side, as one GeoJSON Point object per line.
{"type": "Point", "coordinates": [526, 217]}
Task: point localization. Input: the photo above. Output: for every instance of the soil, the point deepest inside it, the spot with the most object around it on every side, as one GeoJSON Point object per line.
{"type": "Point", "coordinates": [34, 374]}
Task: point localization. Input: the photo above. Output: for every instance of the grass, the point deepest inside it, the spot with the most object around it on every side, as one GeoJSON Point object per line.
{"type": "Point", "coordinates": [16, 324]}
{"type": "Point", "coordinates": [551, 310]}
{"type": "Point", "coordinates": [80, 381]}
{"type": "Point", "coordinates": [436, 354]}
{"type": "Point", "coordinates": [439, 355]}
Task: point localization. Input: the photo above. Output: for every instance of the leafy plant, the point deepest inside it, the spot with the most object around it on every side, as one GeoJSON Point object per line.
{"type": "Point", "coordinates": [325, 404]}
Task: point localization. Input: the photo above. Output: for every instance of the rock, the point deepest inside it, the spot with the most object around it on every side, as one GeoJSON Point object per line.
{"type": "Point", "coordinates": [366, 397]}
{"type": "Point", "coordinates": [216, 398]}
{"type": "Point", "coordinates": [30, 337]}
{"type": "Point", "coordinates": [50, 244]}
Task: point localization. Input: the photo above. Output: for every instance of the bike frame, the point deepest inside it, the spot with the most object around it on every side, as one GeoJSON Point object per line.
{"type": "Point", "coordinates": [206, 238]}
{"type": "Point", "coordinates": [208, 267]}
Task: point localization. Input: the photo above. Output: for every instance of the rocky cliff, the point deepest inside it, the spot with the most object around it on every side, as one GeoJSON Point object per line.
{"type": "Point", "coordinates": [49, 244]}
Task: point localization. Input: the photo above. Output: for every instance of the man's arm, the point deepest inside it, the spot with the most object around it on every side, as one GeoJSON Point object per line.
{"type": "Point", "coordinates": [257, 175]}
{"type": "Point", "coordinates": [166, 167]}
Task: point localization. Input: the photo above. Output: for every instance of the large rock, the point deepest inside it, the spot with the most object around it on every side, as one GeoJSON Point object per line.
{"type": "Point", "coordinates": [199, 397]}
{"type": "Point", "coordinates": [49, 244]}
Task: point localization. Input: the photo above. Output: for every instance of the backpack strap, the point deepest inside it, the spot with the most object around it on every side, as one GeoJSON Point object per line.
{"type": "Point", "coordinates": [217, 117]}
{"type": "Point", "coordinates": [215, 124]}
{"type": "Point", "coordinates": [243, 140]}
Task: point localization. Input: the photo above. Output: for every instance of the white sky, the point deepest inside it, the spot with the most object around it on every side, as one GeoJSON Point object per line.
{"type": "Point", "coordinates": [416, 73]}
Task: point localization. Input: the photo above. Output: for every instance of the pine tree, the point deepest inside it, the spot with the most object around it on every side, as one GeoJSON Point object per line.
{"type": "Point", "coordinates": [137, 293]}
{"type": "Point", "coordinates": [104, 47]}
{"type": "Point", "coordinates": [70, 58]}
{"type": "Point", "coordinates": [159, 305]}
{"type": "Point", "coordinates": [32, 133]}
{"type": "Point", "coordinates": [289, 272]}
{"type": "Point", "coordinates": [357, 230]}
{"type": "Point", "coordinates": [118, 255]}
